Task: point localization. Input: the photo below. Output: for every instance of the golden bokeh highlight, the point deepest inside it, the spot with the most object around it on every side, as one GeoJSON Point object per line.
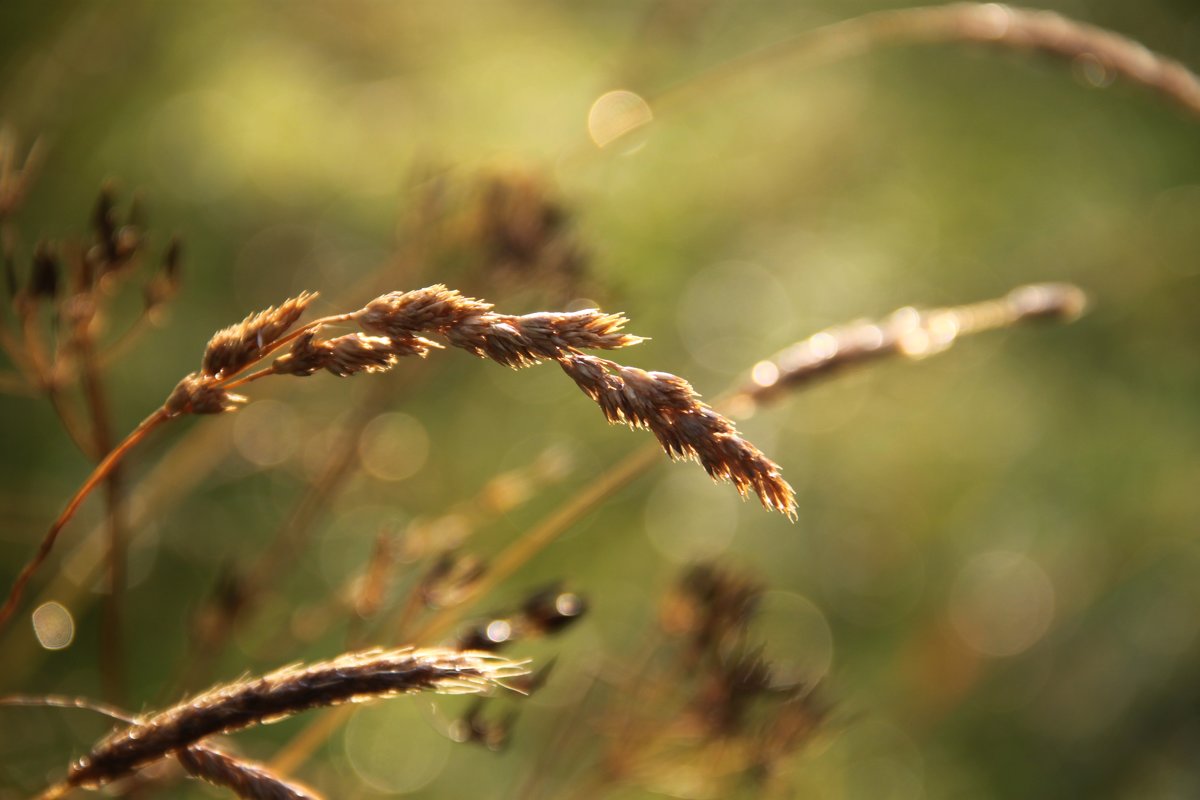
{"type": "Point", "coordinates": [616, 114]}
{"type": "Point", "coordinates": [53, 626]}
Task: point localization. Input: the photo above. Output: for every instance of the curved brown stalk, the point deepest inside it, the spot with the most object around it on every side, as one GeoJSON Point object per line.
{"type": "Point", "coordinates": [987, 24]}
{"type": "Point", "coordinates": [98, 475]}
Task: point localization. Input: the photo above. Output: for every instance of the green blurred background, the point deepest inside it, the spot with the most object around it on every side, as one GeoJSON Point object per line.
{"type": "Point", "coordinates": [995, 567]}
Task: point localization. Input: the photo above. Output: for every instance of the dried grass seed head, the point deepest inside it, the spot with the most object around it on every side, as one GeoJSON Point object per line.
{"type": "Point", "coordinates": [532, 338]}
{"type": "Point", "coordinates": [233, 348]}
{"type": "Point", "coordinates": [350, 354]}
{"type": "Point", "coordinates": [352, 677]}
{"type": "Point", "coordinates": [434, 309]}
{"type": "Point", "coordinates": [246, 779]}
{"type": "Point", "coordinates": [685, 427]}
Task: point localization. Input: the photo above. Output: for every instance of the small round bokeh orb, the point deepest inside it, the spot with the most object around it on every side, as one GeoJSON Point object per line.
{"type": "Point", "coordinates": [53, 626]}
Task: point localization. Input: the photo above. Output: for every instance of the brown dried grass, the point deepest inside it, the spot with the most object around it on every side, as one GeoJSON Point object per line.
{"type": "Point", "coordinates": [352, 677]}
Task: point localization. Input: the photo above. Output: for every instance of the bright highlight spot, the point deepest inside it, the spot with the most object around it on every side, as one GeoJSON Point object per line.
{"type": "Point", "coordinates": [53, 626]}
{"type": "Point", "coordinates": [499, 631]}
{"type": "Point", "coordinates": [615, 114]}
{"type": "Point", "coordinates": [765, 373]}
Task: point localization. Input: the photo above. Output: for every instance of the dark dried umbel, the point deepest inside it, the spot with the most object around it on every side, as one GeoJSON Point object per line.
{"type": "Point", "coordinates": [352, 677]}
{"type": "Point", "coordinates": [475, 728]}
{"type": "Point", "coordinates": [246, 779]}
{"type": "Point", "coordinates": [711, 606]}
{"type": "Point", "coordinates": [720, 719]}
{"type": "Point", "coordinates": [117, 241]}
{"type": "Point", "coordinates": [45, 277]}
{"type": "Point", "coordinates": [448, 579]}
{"type": "Point", "coordinates": [509, 225]}
{"type": "Point", "coordinates": [546, 612]}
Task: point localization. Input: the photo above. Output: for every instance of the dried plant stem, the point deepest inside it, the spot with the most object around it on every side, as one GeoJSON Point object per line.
{"type": "Point", "coordinates": [988, 24]}
{"type": "Point", "coordinates": [351, 677]}
{"type": "Point", "coordinates": [539, 537]}
{"type": "Point", "coordinates": [98, 475]}
{"type": "Point", "coordinates": [111, 638]}
{"type": "Point", "coordinates": [211, 391]}
{"type": "Point", "coordinates": [45, 378]}
{"type": "Point", "coordinates": [906, 333]}
{"type": "Point", "coordinates": [978, 23]}
{"type": "Point", "coordinates": [67, 416]}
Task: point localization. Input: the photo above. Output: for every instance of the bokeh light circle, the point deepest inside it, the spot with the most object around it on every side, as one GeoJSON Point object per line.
{"type": "Point", "coordinates": [1002, 603]}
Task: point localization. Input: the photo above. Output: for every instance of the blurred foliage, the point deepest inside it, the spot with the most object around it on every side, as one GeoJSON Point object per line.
{"type": "Point", "coordinates": [995, 567]}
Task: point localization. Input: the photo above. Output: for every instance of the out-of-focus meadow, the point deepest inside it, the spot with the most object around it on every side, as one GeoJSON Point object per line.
{"type": "Point", "coordinates": [995, 572]}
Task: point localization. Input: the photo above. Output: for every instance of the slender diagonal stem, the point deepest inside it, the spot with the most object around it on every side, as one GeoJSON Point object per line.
{"type": "Point", "coordinates": [98, 475]}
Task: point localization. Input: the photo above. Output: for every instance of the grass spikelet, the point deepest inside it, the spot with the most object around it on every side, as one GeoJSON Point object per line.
{"type": "Point", "coordinates": [432, 309]}
{"type": "Point", "coordinates": [350, 354]}
{"type": "Point", "coordinates": [231, 349]}
{"type": "Point", "coordinates": [530, 339]}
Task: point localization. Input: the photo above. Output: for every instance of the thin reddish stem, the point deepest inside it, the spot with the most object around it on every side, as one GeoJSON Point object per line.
{"type": "Point", "coordinates": [99, 474]}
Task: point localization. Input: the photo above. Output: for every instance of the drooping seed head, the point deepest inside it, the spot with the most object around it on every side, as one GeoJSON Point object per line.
{"type": "Point", "coordinates": [685, 427]}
